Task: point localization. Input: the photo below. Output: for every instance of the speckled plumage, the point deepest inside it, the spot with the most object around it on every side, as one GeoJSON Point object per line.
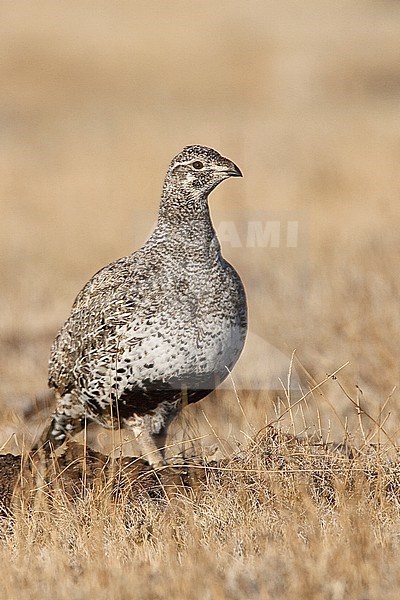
{"type": "Point", "coordinates": [155, 329]}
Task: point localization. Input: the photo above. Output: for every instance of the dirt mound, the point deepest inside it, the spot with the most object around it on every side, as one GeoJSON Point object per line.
{"type": "Point", "coordinates": [309, 464]}
{"type": "Point", "coordinates": [78, 469]}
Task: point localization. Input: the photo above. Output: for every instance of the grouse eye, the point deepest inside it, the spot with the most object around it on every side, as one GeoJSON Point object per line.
{"type": "Point", "coordinates": [197, 165]}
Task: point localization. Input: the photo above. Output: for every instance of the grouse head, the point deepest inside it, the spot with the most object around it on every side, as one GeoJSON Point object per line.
{"type": "Point", "coordinates": [197, 170]}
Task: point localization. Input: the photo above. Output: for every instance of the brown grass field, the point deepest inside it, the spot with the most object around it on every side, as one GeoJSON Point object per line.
{"type": "Point", "coordinates": [95, 99]}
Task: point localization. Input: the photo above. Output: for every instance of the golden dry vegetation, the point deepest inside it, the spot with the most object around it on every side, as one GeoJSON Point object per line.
{"type": "Point", "coordinates": [95, 99]}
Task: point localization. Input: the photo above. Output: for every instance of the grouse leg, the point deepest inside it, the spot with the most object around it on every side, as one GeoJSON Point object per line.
{"type": "Point", "coordinates": [68, 419]}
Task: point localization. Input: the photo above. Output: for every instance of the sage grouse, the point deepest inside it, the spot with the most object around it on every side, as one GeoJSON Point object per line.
{"type": "Point", "coordinates": [156, 329]}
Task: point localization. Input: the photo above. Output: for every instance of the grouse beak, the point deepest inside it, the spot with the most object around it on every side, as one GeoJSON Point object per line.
{"type": "Point", "coordinates": [233, 171]}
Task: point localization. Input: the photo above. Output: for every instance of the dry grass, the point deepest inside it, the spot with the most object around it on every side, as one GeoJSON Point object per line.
{"type": "Point", "coordinates": [285, 519]}
{"type": "Point", "coordinates": [95, 99]}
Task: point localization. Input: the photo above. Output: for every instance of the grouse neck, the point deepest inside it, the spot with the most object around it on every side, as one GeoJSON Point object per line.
{"type": "Point", "coordinates": [179, 212]}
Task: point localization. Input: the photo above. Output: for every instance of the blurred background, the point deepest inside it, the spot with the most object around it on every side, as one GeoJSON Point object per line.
{"type": "Point", "coordinates": [95, 100]}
